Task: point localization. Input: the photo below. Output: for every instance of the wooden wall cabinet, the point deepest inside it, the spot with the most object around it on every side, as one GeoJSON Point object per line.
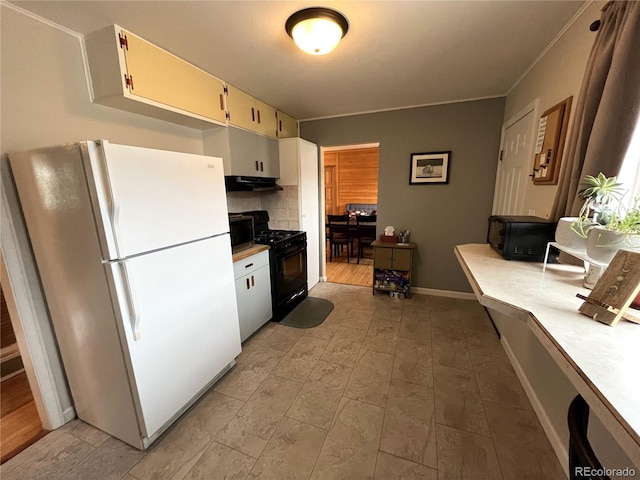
{"type": "Point", "coordinates": [253, 292]}
{"type": "Point", "coordinates": [248, 112]}
{"type": "Point", "coordinates": [287, 125]}
{"type": "Point", "coordinates": [132, 74]}
{"type": "Point", "coordinates": [392, 261]}
{"type": "Point", "coordinates": [243, 152]}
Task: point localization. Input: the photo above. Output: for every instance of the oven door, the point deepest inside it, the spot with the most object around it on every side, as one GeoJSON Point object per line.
{"type": "Point", "coordinates": [290, 274]}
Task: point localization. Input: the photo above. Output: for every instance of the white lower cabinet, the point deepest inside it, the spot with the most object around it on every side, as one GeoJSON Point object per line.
{"type": "Point", "coordinates": [253, 292]}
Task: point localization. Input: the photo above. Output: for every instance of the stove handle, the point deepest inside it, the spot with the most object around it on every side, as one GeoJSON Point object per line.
{"type": "Point", "coordinates": [292, 250]}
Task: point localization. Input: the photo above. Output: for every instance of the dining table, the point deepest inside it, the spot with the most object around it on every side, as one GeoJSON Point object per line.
{"type": "Point", "coordinates": [352, 228]}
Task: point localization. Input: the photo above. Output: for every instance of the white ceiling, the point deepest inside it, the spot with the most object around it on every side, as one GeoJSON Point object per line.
{"type": "Point", "coordinates": [396, 53]}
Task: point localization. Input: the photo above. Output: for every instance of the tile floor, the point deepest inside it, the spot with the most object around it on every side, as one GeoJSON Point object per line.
{"type": "Point", "coordinates": [383, 389]}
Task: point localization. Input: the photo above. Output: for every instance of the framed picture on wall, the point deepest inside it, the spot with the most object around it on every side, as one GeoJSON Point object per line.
{"type": "Point", "coordinates": [430, 167]}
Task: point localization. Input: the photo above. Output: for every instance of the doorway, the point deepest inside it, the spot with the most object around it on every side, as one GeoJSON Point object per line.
{"type": "Point", "coordinates": [350, 187]}
{"type": "Point", "coordinates": [516, 152]}
{"type": "Point", "coordinates": [20, 424]}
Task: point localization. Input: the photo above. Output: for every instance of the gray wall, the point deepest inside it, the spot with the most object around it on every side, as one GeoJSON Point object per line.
{"type": "Point", "coordinates": [45, 101]}
{"type": "Point", "coordinates": [439, 216]}
{"type": "Point", "coordinates": [557, 75]}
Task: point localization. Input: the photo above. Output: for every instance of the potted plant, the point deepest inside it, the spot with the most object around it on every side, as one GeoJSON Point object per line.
{"type": "Point", "coordinates": [622, 231]}
{"type": "Point", "coordinates": [602, 196]}
{"type": "Point", "coordinates": [599, 194]}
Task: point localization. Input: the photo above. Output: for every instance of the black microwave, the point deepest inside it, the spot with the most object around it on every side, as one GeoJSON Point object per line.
{"type": "Point", "coordinates": [241, 230]}
{"type": "Point", "coordinates": [520, 237]}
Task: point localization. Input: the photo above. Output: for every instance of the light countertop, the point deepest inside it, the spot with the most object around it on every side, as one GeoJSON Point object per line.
{"type": "Point", "coordinates": [601, 361]}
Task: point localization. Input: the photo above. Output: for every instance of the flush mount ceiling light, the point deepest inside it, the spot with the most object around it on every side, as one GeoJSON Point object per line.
{"type": "Point", "coordinates": [317, 30]}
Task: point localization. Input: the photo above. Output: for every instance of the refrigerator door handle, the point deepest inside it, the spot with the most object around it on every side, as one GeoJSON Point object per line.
{"type": "Point", "coordinates": [134, 318]}
{"type": "Point", "coordinates": [115, 225]}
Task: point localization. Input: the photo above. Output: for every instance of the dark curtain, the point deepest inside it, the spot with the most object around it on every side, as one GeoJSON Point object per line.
{"type": "Point", "coordinates": [608, 106]}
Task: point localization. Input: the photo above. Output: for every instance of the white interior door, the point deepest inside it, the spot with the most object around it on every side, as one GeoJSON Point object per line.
{"type": "Point", "coordinates": [179, 318]}
{"type": "Point", "coordinates": [514, 167]}
{"type": "Point", "coordinates": [151, 199]}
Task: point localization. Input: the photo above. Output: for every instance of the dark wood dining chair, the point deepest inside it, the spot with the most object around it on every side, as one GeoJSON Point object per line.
{"type": "Point", "coordinates": [365, 232]}
{"type": "Point", "coordinates": [339, 235]}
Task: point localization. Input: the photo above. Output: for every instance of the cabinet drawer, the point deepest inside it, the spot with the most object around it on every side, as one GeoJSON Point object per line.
{"type": "Point", "coordinates": [401, 259]}
{"type": "Point", "coordinates": [383, 258]}
{"type": "Point", "coordinates": [250, 264]}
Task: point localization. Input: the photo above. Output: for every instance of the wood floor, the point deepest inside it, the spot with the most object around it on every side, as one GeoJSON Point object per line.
{"type": "Point", "coordinates": [339, 271]}
{"type": "Point", "coordinates": [20, 424]}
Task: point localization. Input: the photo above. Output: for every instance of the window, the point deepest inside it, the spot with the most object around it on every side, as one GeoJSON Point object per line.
{"type": "Point", "coordinates": [630, 172]}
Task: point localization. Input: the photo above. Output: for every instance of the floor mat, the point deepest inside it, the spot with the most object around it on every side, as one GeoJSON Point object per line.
{"type": "Point", "coordinates": [310, 313]}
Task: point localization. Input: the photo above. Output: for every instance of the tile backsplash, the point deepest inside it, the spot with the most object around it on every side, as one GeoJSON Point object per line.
{"type": "Point", "coordinates": [243, 201]}
{"type": "Point", "coordinates": [283, 208]}
{"type": "Point", "coordinates": [281, 205]}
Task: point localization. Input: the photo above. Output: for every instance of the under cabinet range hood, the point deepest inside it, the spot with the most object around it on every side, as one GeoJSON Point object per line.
{"type": "Point", "coordinates": [250, 184]}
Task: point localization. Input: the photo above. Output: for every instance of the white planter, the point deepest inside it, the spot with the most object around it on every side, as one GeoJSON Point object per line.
{"type": "Point", "coordinates": [602, 244]}
{"type": "Point", "coordinates": [566, 237]}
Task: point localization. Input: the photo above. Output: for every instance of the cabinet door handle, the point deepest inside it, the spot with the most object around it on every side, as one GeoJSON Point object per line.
{"type": "Point", "coordinates": [248, 265]}
{"type": "Point", "coordinates": [253, 115]}
{"type": "Point", "coordinates": [261, 166]}
{"type": "Point", "coordinates": [221, 102]}
{"type": "Point", "coordinates": [258, 116]}
{"type": "Point", "coordinates": [248, 283]}
{"type": "Point", "coordinates": [253, 282]}
{"type": "Point", "coordinates": [257, 167]}
{"type": "Point", "coordinates": [280, 125]}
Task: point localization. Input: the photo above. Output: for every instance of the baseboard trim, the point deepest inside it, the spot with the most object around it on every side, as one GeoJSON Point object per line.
{"type": "Point", "coordinates": [68, 414]}
{"type": "Point", "coordinates": [558, 446]}
{"type": "Point", "coordinates": [443, 293]}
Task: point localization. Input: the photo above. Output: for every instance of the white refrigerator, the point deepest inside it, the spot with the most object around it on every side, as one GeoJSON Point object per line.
{"type": "Point", "coordinates": [133, 251]}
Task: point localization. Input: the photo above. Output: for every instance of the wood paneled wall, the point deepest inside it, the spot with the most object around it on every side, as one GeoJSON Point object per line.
{"type": "Point", "coordinates": [356, 176]}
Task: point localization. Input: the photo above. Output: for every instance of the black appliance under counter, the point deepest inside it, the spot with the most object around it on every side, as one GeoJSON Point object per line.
{"type": "Point", "coordinates": [287, 262]}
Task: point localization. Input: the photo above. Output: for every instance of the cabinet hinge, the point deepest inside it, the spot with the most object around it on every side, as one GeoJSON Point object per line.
{"type": "Point", "coordinates": [124, 43]}
{"type": "Point", "coordinates": [128, 81]}
{"type": "Point", "coordinates": [227, 115]}
{"type": "Point", "coordinates": [226, 90]}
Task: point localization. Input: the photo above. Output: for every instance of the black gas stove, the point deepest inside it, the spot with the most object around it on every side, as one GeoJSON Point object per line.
{"type": "Point", "coordinates": [276, 237]}
{"type": "Point", "coordinates": [287, 261]}
{"type": "Point", "coordinates": [264, 235]}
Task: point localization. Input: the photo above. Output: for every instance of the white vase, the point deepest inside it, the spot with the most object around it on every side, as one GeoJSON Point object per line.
{"type": "Point", "coordinates": [602, 244]}
{"type": "Point", "coordinates": [566, 237]}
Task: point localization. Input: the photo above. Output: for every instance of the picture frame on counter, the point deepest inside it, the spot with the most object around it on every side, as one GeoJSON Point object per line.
{"type": "Point", "coordinates": [429, 167]}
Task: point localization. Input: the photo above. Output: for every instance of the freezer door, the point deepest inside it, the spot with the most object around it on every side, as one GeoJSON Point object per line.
{"type": "Point", "coordinates": [179, 323]}
{"type": "Point", "coordinates": [149, 199]}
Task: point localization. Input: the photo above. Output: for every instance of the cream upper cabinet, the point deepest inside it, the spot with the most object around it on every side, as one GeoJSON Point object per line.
{"type": "Point", "coordinates": [129, 73]}
{"type": "Point", "coordinates": [267, 122]}
{"type": "Point", "coordinates": [241, 107]}
{"type": "Point", "coordinates": [287, 126]}
{"type": "Point", "coordinates": [248, 112]}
